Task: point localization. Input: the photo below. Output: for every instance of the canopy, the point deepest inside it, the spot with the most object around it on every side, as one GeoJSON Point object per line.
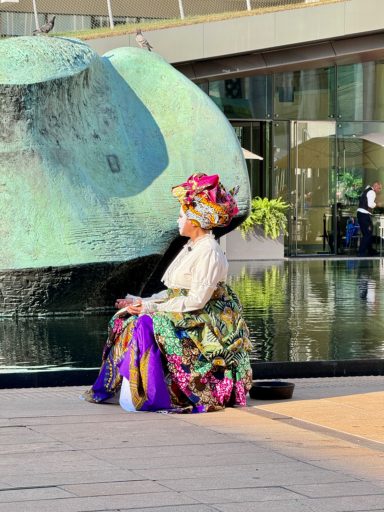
{"type": "Point", "coordinates": [248, 155]}
{"type": "Point", "coordinates": [363, 152]}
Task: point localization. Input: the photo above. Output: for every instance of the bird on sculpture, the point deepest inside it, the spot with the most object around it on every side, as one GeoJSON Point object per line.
{"type": "Point", "coordinates": [141, 41]}
{"type": "Point", "coordinates": [47, 27]}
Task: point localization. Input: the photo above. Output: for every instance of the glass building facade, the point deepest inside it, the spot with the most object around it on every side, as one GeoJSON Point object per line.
{"type": "Point", "coordinates": [321, 134]}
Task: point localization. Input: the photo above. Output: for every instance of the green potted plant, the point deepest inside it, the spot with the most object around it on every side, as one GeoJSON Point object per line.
{"type": "Point", "coordinates": [261, 235]}
{"type": "Point", "coordinates": [269, 214]}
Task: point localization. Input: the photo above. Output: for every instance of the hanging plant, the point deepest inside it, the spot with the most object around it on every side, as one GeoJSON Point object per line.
{"type": "Point", "coordinates": [270, 214]}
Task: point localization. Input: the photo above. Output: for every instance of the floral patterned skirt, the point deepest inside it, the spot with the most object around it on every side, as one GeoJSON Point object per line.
{"type": "Point", "coordinates": [179, 362]}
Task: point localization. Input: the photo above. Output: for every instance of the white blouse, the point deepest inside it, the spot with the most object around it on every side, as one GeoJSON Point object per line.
{"type": "Point", "coordinates": [198, 267]}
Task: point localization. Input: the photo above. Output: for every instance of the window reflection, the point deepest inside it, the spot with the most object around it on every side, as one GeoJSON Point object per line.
{"type": "Point", "coordinates": [243, 98]}
{"type": "Point", "coordinates": [304, 94]}
{"type": "Point", "coordinates": [359, 91]}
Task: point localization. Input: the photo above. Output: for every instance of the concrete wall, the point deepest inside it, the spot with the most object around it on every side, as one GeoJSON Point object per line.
{"type": "Point", "coordinates": [255, 247]}
{"type": "Point", "coordinates": [251, 33]}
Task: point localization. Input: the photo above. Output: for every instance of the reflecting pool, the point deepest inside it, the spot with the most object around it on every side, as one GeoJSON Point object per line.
{"type": "Point", "coordinates": [299, 310]}
{"type": "Point", "coordinates": [313, 309]}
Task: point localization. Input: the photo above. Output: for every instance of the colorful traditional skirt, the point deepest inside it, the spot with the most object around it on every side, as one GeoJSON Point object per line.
{"type": "Point", "coordinates": [179, 362]}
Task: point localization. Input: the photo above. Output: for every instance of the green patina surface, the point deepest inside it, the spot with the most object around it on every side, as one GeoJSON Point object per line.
{"type": "Point", "coordinates": [90, 147]}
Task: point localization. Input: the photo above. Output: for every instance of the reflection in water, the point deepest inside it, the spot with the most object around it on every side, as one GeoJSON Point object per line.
{"type": "Point", "coordinates": [313, 310]}
{"type": "Point", "coordinates": [66, 342]}
{"type": "Point", "coordinates": [296, 310]}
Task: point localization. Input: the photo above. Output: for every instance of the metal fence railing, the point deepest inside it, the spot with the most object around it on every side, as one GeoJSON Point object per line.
{"type": "Point", "coordinates": [21, 17]}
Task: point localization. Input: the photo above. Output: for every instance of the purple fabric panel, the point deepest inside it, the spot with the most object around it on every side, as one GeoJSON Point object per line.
{"type": "Point", "coordinates": [99, 391]}
{"type": "Point", "coordinates": [143, 340]}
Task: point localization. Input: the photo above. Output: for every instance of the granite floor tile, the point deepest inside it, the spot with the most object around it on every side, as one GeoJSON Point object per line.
{"type": "Point", "coordinates": [238, 481]}
{"type": "Point", "coordinates": [336, 489]}
{"type": "Point", "coordinates": [191, 461]}
{"type": "Point", "coordinates": [272, 506]}
{"type": "Point", "coordinates": [55, 462]}
{"type": "Point", "coordinates": [265, 473]}
{"type": "Point", "coordinates": [218, 452]}
{"type": "Point", "coordinates": [177, 508]}
{"type": "Point", "coordinates": [35, 494]}
{"type": "Point", "coordinates": [15, 448]}
{"type": "Point", "coordinates": [108, 503]}
{"type": "Point", "coordinates": [113, 488]}
{"type": "Point", "coordinates": [73, 477]}
{"type": "Point", "coordinates": [240, 495]}
{"type": "Point", "coordinates": [348, 504]}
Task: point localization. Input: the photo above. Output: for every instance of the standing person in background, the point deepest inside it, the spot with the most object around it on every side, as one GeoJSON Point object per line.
{"type": "Point", "coordinates": [364, 216]}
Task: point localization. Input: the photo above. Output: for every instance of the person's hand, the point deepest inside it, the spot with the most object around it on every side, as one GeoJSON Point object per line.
{"type": "Point", "coordinates": [135, 308]}
{"type": "Point", "coordinates": [123, 303]}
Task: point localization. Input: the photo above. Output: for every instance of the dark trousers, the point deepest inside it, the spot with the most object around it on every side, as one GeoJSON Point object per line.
{"type": "Point", "coordinates": [366, 227]}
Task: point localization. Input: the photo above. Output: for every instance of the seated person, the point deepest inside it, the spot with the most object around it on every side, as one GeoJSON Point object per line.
{"type": "Point", "coordinates": [185, 349]}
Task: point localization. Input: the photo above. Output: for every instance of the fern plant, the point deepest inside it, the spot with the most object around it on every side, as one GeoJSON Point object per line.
{"type": "Point", "coordinates": [269, 214]}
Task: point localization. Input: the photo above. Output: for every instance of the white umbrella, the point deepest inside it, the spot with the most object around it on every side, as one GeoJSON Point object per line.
{"type": "Point", "coordinates": [364, 151]}
{"type": "Point", "coordinates": [248, 155]}
{"type": "Point", "coordinates": [375, 137]}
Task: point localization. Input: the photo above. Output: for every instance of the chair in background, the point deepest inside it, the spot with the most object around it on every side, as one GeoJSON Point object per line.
{"type": "Point", "coordinates": [352, 234]}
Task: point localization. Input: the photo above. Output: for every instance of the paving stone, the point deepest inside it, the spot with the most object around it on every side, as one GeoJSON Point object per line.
{"type": "Point", "coordinates": [107, 503]}
{"type": "Point", "coordinates": [14, 448]}
{"type": "Point", "coordinates": [40, 493]}
{"type": "Point", "coordinates": [238, 480]}
{"type": "Point", "coordinates": [212, 482]}
{"type": "Point", "coordinates": [54, 462]}
{"type": "Point", "coordinates": [178, 508]}
{"type": "Point", "coordinates": [106, 417]}
{"type": "Point", "coordinates": [113, 488]}
{"type": "Point", "coordinates": [222, 452]}
{"type": "Point", "coordinates": [272, 506]}
{"type": "Point", "coordinates": [348, 504]}
{"type": "Point", "coordinates": [336, 489]}
{"type": "Point", "coordinates": [21, 434]}
{"type": "Point", "coordinates": [222, 459]}
{"type": "Point", "coordinates": [73, 477]}
{"type": "Point", "coordinates": [357, 414]}
{"type": "Point", "coordinates": [240, 495]}
{"type": "Point", "coordinates": [212, 469]}
{"type": "Point", "coordinates": [136, 436]}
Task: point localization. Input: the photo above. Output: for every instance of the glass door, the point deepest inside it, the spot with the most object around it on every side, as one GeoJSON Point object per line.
{"type": "Point", "coordinates": [313, 222]}
{"type": "Point", "coordinates": [252, 138]}
{"type": "Point", "coordinates": [360, 147]}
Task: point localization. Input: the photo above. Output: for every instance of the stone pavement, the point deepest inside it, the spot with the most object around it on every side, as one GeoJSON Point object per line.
{"type": "Point", "coordinates": [322, 451]}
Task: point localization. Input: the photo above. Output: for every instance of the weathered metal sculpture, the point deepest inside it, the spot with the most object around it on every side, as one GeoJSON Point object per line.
{"type": "Point", "coordinates": [89, 149]}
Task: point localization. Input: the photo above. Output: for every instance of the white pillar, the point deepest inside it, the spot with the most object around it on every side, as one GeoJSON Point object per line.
{"type": "Point", "coordinates": [249, 8]}
{"type": "Point", "coordinates": [111, 24]}
{"type": "Point", "coordinates": [181, 9]}
{"type": "Point", "coordinates": [35, 13]}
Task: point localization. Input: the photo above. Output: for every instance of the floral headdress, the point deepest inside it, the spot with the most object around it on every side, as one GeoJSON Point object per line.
{"type": "Point", "coordinates": [205, 201]}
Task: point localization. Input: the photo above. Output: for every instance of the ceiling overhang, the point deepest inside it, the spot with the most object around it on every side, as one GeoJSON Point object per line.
{"type": "Point", "coordinates": [327, 53]}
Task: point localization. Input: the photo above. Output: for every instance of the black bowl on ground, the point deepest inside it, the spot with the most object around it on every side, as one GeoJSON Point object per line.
{"type": "Point", "coordinates": [271, 390]}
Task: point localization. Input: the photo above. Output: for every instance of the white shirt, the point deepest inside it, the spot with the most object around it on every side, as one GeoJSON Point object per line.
{"type": "Point", "coordinates": [198, 267]}
{"type": "Point", "coordinates": [371, 196]}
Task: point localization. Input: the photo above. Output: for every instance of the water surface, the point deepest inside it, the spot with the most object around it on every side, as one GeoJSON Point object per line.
{"type": "Point", "coordinates": [299, 310]}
